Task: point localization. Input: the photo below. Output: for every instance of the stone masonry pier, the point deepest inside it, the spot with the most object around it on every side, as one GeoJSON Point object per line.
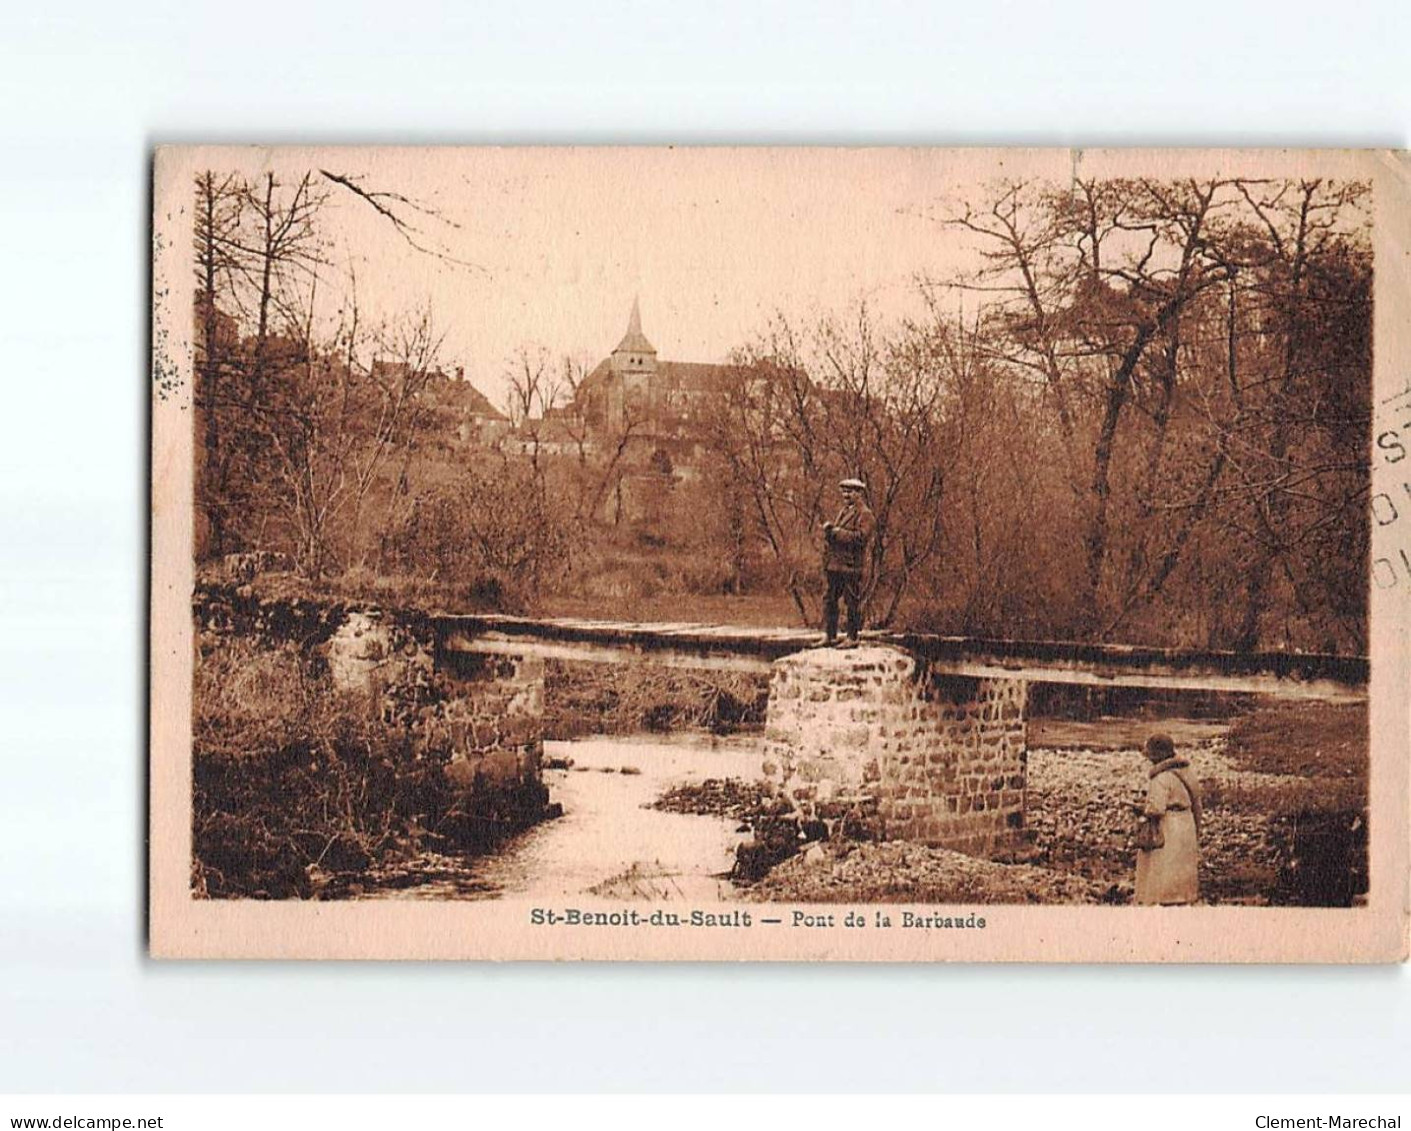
{"type": "Point", "coordinates": [874, 737]}
{"type": "Point", "coordinates": [489, 715]}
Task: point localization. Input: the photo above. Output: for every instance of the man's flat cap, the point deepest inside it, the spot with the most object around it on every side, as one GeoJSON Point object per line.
{"type": "Point", "coordinates": [853, 484]}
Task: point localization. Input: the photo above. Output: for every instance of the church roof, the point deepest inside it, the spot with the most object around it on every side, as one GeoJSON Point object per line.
{"type": "Point", "coordinates": [597, 377]}
{"type": "Point", "coordinates": [702, 376]}
{"type": "Point", "coordinates": [457, 392]}
{"type": "Point", "coordinates": [697, 375]}
{"type": "Point", "coordinates": [634, 341]}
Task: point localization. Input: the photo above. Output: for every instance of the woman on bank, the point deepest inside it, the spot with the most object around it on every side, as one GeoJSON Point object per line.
{"type": "Point", "coordinates": [1168, 830]}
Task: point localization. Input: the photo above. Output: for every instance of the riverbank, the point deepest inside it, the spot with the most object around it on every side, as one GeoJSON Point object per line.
{"type": "Point", "coordinates": [328, 749]}
{"type": "Point", "coordinates": [1284, 798]}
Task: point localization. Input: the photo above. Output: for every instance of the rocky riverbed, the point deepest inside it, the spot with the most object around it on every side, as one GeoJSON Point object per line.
{"type": "Point", "coordinates": [1080, 806]}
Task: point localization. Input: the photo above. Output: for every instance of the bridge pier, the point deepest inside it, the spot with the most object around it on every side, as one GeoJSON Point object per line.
{"type": "Point", "coordinates": [495, 722]}
{"type": "Point", "coordinates": [913, 753]}
{"type": "Point", "coordinates": [486, 718]}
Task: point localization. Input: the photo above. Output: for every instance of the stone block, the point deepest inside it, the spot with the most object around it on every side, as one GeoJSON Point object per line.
{"type": "Point", "coordinates": [854, 738]}
{"type": "Point", "coordinates": [516, 730]}
{"type": "Point", "coordinates": [500, 767]}
{"type": "Point", "coordinates": [460, 772]}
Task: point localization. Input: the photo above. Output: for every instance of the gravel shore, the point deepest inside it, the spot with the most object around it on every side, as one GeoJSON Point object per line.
{"type": "Point", "coordinates": [901, 872]}
{"type": "Point", "coordinates": [1081, 805]}
{"type": "Point", "coordinates": [1080, 812]}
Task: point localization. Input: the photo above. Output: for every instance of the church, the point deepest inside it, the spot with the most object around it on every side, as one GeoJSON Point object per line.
{"type": "Point", "coordinates": [660, 400]}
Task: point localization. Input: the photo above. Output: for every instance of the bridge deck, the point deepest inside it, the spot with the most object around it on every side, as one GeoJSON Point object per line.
{"type": "Point", "coordinates": [736, 648]}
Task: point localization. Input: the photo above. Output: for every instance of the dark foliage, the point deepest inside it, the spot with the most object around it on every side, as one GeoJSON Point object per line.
{"type": "Point", "coordinates": [298, 791]}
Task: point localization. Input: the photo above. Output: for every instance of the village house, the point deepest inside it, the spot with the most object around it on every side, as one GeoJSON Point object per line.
{"type": "Point", "coordinates": [463, 409]}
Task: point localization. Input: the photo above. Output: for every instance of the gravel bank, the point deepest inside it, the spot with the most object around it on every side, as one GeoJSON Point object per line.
{"type": "Point", "coordinates": [899, 872]}
{"type": "Point", "coordinates": [1080, 811]}
{"type": "Point", "coordinates": [1081, 805]}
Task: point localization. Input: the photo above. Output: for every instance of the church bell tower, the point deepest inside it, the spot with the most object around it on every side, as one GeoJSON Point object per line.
{"type": "Point", "coordinates": [634, 364]}
{"type": "Point", "coordinates": [634, 354]}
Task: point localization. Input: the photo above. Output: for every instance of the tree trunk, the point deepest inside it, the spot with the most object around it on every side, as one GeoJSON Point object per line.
{"type": "Point", "coordinates": [1272, 515]}
{"type": "Point", "coordinates": [212, 501]}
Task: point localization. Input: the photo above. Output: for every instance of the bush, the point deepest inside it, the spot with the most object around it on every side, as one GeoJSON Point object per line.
{"type": "Point", "coordinates": [497, 527]}
{"type": "Point", "coordinates": [586, 698]}
{"type": "Point", "coordinates": [288, 782]}
{"type": "Point", "coordinates": [298, 791]}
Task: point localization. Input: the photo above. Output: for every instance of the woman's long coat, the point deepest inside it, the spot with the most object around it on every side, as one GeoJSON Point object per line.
{"type": "Point", "coordinates": [1168, 874]}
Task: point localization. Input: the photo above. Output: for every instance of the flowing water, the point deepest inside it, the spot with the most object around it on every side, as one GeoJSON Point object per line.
{"type": "Point", "coordinates": [608, 841]}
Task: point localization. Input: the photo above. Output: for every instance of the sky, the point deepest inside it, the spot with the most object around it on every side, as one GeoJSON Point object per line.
{"type": "Point", "coordinates": [559, 243]}
{"type": "Point", "coordinates": [548, 248]}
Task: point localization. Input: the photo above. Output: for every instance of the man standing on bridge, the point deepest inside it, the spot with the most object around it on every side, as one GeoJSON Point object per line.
{"type": "Point", "coordinates": [845, 542]}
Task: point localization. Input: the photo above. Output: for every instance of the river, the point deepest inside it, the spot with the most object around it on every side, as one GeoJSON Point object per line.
{"type": "Point", "coordinates": [608, 841]}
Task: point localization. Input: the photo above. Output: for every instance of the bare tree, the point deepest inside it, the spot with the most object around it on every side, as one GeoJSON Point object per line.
{"type": "Point", "coordinates": [218, 219]}
{"type": "Point", "coordinates": [406, 215]}
{"type": "Point", "coordinates": [339, 418]}
{"type": "Point", "coordinates": [298, 426]}
{"type": "Point", "coordinates": [1087, 287]}
{"type": "Point", "coordinates": [810, 408]}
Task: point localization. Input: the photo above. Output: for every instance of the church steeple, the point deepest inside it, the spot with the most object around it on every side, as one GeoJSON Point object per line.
{"type": "Point", "coordinates": [634, 344]}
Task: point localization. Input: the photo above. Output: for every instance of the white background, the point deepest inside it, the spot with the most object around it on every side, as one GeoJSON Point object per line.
{"type": "Point", "coordinates": [87, 90]}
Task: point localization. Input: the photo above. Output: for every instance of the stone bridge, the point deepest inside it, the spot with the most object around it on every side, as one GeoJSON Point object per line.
{"type": "Point", "coordinates": [916, 736]}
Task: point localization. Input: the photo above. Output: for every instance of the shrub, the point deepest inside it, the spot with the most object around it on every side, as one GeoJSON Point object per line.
{"type": "Point", "coordinates": [298, 790]}
{"type": "Point", "coordinates": [586, 698]}
{"type": "Point", "coordinates": [497, 527]}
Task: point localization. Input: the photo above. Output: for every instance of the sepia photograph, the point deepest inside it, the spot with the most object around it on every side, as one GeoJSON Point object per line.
{"type": "Point", "coordinates": [723, 549]}
{"type": "Point", "coordinates": [845, 562]}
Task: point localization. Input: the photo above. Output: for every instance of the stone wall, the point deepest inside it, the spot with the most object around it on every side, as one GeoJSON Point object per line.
{"type": "Point", "coordinates": [870, 735]}
{"type": "Point", "coordinates": [487, 713]}
{"type": "Point", "coordinates": [494, 723]}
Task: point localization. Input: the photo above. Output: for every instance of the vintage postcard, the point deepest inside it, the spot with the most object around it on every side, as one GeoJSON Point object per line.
{"type": "Point", "coordinates": [780, 554]}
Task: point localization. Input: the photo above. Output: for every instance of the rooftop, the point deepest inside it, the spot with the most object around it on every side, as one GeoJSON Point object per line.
{"type": "Point", "coordinates": [634, 341]}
